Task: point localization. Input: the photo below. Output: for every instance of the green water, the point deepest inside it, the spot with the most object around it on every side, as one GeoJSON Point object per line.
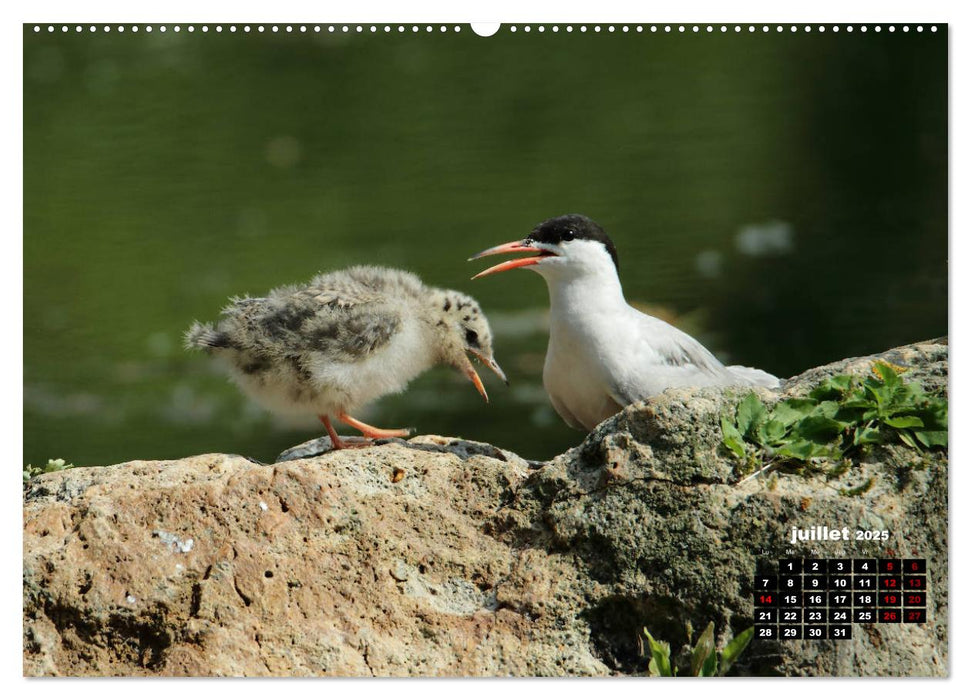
{"type": "Point", "coordinates": [782, 197]}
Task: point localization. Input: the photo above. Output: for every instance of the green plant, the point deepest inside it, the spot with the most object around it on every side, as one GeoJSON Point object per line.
{"type": "Point", "coordinates": [53, 465]}
{"type": "Point", "coordinates": [705, 659]}
{"type": "Point", "coordinates": [838, 419]}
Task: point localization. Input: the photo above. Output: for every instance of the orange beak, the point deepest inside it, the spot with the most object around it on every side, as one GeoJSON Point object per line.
{"type": "Point", "coordinates": [491, 364]}
{"type": "Point", "coordinates": [474, 378]}
{"type": "Point", "coordinates": [513, 247]}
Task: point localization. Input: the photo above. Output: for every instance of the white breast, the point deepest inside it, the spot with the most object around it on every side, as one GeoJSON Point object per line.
{"type": "Point", "coordinates": [575, 386]}
{"type": "Point", "coordinates": [587, 345]}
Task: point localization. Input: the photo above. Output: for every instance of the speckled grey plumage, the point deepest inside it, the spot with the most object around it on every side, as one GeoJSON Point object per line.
{"type": "Point", "coordinates": [343, 339]}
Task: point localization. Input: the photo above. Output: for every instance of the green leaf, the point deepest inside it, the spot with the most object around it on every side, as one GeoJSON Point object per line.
{"type": "Point", "coordinates": [865, 435]}
{"type": "Point", "coordinates": [660, 664]}
{"type": "Point", "coordinates": [841, 414]}
{"type": "Point", "coordinates": [56, 465]}
{"type": "Point", "coordinates": [932, 438]}
{"type": "Point", "coordinates": [888, 374]}
{"type": "Point", "coordinates": [844, 382]}
{"type": "Point", "coordinates": [906, 394]}
{"type": "Point", "coordinates": [908, 439]}
{"type": "Point", "coordinates": [934, 415]}
{"type": "Point", "coordinates": [731, 438]}
{"type": "Point", "coordinates": [53, 465]}
{"type": "Point", "coordinates": [734, 649]}
{"type": "Point", "coordinates": [859, 403]}
{"type": "Point", "coordinates": [798, 449]}
{"type": "Point", "coordinates": [704, 649]}
{"type": "Point", "coordinates": [832, 388]}
{"type": "Point", "coordinates": [772, 432]}
{"type": "Point", "coordinates": [749, 414]}
{"type": "Point", "coordinates": [791, 410]}
{"type": "Point", "coordinates": [871, 415]}
{"type": "Point", "coordinates": [806, 449]}
{"type": "Point", "coordinates": [817, 429]}
{"type": "Point", "coordinates": [904, 422]}
{"type": "Point", "coordinates": [878, 391]}
{"type": "Point", "coordinates": [826, 409]}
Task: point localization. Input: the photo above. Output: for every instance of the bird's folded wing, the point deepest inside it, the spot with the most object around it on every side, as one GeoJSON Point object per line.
{"type": "Point", "coordinates": [665, 357]}
{"type": "Point", "coordinates": [342, 331]}
{"type": "Point", "coordinates": [678, 349]}
{"type": "Point", "coordinates": [341, 324]}
{"type": "Point", "coordinates": [351, 320]}
{"type": "Point", "coordinates": [623, 395]}
{"type": "Point", "coordinates": [359, 333]}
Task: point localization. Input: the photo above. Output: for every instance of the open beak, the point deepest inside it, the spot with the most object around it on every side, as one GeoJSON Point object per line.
{"type": "Point", "coordinates": [473, 376]}
{"type": "Point", "coordinates": [491, 364]}
{"type": "Point", "coordinates": [513, 247]}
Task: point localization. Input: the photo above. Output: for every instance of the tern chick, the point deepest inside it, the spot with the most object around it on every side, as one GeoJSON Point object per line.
{"type": "Point", "coordinates": [603, 354]}
{"type": "Point", "coordinates": [332, 345]}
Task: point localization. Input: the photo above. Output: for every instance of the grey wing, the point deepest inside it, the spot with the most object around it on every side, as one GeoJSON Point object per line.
{"type": "Point", "coordinates": [342, 327]}
{"type": "Point", "coordinates": [356, 313]}
{"type": "Point", "coordinates": [665, 357]}
{"type": "Point", "coordinates": [351, 332]}
{"type": "Point", "coordinates": [679, 349]}
{"type": "Point", "coordinates": [625, 393]}
{"type": "Point", "coordinates": [700, 367]}
{"type": "Point", "coordinates": [296, 321]}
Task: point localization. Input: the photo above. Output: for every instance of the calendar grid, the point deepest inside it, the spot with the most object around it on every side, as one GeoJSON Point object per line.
{"type": "Point", "coordinates": [823, 598]}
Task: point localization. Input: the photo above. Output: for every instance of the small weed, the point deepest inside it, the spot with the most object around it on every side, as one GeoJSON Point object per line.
{"type": "Point", "coordinates": [53, 465]}
{"type": "Point", "coordinates": [858, 490]}
{"type": "Point", "coordinates": [840, 469]}
{"type": "Point", "coordinates": [705, 659]}
{"type": "Point", "coordinates": [841, 418]}
{"type": "Point", "coordinates": [773, 481]}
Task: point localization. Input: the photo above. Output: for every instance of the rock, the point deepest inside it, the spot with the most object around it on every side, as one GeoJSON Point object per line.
{"type": "Point", "coordinates": [321, 445]}
{"type": "Point", "coordinates": [443, 557]}
{"type": "Point", "coordinates": [926, 364]}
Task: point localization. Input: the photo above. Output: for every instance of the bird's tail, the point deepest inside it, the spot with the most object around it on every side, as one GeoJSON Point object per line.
{"type": "Point", "coordinates": [754, 377]}
{"type": "Point", "coordinates": [203, 335]}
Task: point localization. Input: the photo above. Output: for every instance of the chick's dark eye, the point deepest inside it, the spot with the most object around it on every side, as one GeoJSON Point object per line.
{"type": "Point", "coordinates": [569, 235]}
{"type": "Point", "coordinates": [471, 338]}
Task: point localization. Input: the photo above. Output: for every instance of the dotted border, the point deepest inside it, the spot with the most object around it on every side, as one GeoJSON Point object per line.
{"type": "Point", "coordinates": [512, 28]}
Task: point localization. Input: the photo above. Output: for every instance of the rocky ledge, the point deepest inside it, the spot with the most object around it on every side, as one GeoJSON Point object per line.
{"type": "Point", "coordinates": [443, 557]}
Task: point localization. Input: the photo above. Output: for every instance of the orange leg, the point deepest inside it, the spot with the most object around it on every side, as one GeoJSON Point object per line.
{"type": "Point", "coordinates": [369, 431]}
{"type": "Point", "coordinates": [334, 440]}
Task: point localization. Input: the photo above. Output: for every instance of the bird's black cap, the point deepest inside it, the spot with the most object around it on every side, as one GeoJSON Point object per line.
{"type": "Point", "coordinates": [573, 226]}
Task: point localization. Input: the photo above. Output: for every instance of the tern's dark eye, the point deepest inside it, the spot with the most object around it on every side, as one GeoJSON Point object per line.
{"type": "Point", "coordinates": [471, 338]}
{"type": "Point", "coordinates": [569, 235]}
